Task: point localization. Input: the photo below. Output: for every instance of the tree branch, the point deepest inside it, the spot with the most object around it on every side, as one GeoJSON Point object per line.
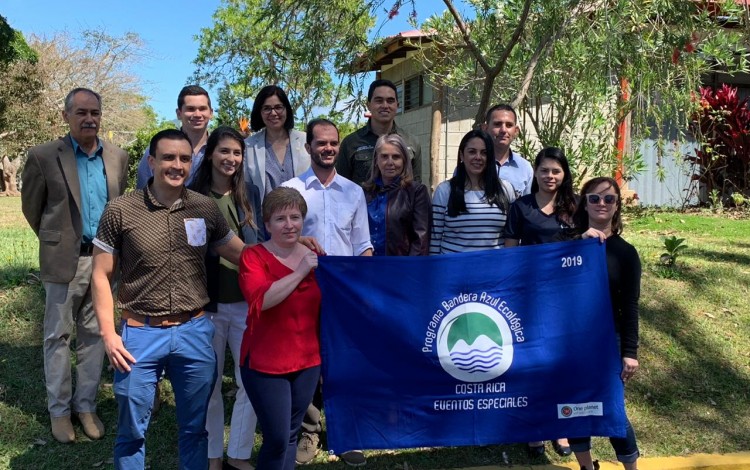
{"type": "Point", "coordinates": [467, 38]}
{"type": "Point", "coordinates": [513, 40]}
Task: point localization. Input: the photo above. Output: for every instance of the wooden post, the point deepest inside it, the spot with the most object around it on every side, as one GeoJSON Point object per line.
{"type": "Point", "coordinates": [435, 132]}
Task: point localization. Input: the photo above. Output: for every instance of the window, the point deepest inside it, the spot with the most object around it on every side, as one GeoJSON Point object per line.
{"type": "Point", "coordinates": [412, 93]}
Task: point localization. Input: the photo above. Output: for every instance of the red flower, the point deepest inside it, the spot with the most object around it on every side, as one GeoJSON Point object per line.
{"type": "Point", "coordinates": [675, 56]}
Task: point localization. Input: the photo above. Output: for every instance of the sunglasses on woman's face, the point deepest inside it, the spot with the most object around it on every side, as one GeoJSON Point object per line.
{"type": "Point", "coordinates": [609, 199]}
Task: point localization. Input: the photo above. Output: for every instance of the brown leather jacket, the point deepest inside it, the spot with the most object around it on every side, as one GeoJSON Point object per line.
{"type": "Point", "coordinates": [407, 219]}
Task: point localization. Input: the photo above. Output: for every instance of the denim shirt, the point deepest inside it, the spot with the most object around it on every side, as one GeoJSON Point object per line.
{"type": "Point", "coordinates": [93, 183]}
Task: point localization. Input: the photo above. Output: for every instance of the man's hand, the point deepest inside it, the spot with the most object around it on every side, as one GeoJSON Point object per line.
{"type": "Point", "coordinates": [312, 244]}
{"type": "Point", "coordinates": [118, 356]}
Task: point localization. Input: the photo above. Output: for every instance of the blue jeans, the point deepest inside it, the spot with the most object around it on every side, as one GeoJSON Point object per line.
{"type": "Point", "coordinates": [280, 401]}
{"type": "Point", "coordinates": [625, 448]}
{"type": "Point", "coordinates": [185, 351]}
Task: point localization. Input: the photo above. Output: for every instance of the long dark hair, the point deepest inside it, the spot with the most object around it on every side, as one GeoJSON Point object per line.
{"type": "Point", "coordinates": [256, 117]}
{"type": "Point", "coordinates": [565, 200]}
{"type": "Point", "coordinates": [203, 176]}
{"type": "Point", "coordinates": [489, 181]}
{"type": "Point", "coordinates": [581, 217]}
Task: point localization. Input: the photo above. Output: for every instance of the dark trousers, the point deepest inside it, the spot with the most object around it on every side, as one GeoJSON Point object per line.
{"type": "Point", "coordinates": [280, 401]}
{"type": "Point", "coordinates": [312, 421]}
{"type": "Point", "coordinates": [625, 448]}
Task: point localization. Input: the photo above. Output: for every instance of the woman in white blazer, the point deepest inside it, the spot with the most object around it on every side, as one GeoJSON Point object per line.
{"type": "Point", "coordinates": [276, 151]}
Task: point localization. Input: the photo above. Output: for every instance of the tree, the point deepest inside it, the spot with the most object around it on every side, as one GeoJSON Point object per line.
{"type": "Point", "coordinates": [562, 63]}
{"type": "Point", "coordinates": [295, 45]}
{"type": "Point", "coordinates": [20, 102]}
{"type": "Point", "coordinates": [13, 45]}
{"type": "Point", "coordinates": [102, 63]}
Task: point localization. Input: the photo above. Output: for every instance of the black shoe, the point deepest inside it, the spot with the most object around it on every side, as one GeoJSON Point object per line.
{"type": "Point", "coordinates": [535, 451]}
{"type": "Point", "coordinates": [596, 466]}
{"type": "Point", "coordinates": [562, 451]}
{"type": "Point", "coordinates": [353, 458]}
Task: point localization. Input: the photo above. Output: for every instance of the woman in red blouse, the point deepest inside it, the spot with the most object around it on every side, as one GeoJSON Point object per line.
{"type": "Point", "coordinates": [280, 354]}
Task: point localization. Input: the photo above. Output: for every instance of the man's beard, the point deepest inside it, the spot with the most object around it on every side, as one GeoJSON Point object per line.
{"type": "Point", "coordinates": [319, 162]}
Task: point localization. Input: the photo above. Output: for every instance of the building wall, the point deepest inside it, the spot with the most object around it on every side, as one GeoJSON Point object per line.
{"type": "Point", "coordinates": [418, 122]}
{"type": "Point", "coordinates": [672, 186]}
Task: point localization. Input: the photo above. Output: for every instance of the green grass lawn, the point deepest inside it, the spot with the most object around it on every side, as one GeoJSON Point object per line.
{"type": "Point", "coordinates": [691, 395]}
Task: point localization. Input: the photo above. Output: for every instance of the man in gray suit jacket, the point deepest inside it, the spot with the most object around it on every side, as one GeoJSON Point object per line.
{"type": "Point", "coordinates": [66, 184]}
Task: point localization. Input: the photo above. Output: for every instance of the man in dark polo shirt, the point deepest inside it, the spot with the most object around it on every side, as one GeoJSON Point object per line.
{"type": "Point", "coordinates": [160, 236]}
{"type": "Point", "coordinates": [358, 148]}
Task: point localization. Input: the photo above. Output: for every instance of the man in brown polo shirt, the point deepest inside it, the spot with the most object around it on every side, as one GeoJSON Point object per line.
{"type": "Point", "coordinates": [160, 236]}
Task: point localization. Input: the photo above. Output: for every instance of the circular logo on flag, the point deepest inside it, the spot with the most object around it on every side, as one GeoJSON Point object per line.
{"type": "Point", "coordinates": [474, 343]}
{"type": "Point", "coordinates": [566, 411]}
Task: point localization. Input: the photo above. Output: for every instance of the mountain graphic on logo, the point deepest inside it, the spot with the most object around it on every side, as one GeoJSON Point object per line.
{"type": "Point", "coordinates": [475, 343]}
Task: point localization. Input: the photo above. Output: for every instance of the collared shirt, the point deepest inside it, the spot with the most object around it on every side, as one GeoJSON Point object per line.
{"type": "Point", "coordinates": [162, 250]}
{"type": "Point", "coordinates": [358, 148]}
{"type": "Point", "coordinates": [93, 182]}
{"type": "Point", "coordinates": [144, 171]}
{"type": "Point", "coordinates": [518, 172]}
{"type": "Point", "coordinates": [336, 214]}
{"type": "Point", "coordinates": [277, 173]}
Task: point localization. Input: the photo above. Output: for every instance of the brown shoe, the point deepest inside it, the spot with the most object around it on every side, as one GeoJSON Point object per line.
{"type": "Point", "coordinates": [92, 425]}
{"type": "Point", "coordinates": [62, 429]}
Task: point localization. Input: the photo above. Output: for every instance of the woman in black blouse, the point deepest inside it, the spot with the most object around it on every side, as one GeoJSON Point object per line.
{"type": "Point", "coordinates": [539, 217]}
{"type": "Point", "coordinates": [598, 215]}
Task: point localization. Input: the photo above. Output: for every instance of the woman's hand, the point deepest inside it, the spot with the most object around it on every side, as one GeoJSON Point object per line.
{"type": "Point", "coordinates": [629, 367]}
{"type": "Point", "coordinates": [594, 233]}
{"type": "Point", "coordinates": [308, 263]}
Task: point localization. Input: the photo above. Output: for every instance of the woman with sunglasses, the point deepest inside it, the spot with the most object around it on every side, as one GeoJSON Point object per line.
{"type": "Point", "coordinates": [470, 209]}
{"type": "Point", "coordinates": [276, 152]}
{"type": "Point", "coordinates": [398, 208]}
{"type": "Point", "coordinates": [599, 215]}
{"type": "Point", "coordinates": [220, 176]}
{"type": "Point", "coordinates": [540, 217]}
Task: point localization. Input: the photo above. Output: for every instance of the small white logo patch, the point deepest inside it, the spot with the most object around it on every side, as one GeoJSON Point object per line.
{"type": "Point", "coordinates": [576, 410]}
{"type": "Point", "coordinates": [196, 231]}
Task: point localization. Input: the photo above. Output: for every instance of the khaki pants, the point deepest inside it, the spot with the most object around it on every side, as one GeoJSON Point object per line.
{"type": "Point", "coordinates": [69, 310]}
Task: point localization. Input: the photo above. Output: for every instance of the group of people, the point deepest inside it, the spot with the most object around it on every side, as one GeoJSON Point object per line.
{"type": "Point", "coordinates": [218, 245]}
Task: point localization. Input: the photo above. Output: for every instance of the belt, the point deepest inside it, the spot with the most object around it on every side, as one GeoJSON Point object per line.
{"type": "Point", "coordinates": [87, 249]}
{"type": "Point", "coordinates": [162, 321]}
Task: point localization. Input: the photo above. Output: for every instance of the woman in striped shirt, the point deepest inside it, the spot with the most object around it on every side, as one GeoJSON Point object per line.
{"type": "Point", "coordinates": [470, 209]}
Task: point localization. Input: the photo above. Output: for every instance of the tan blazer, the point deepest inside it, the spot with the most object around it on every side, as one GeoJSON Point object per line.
{"type": "Point", "coordinates": [255, 157]}
{"type": "Point", "coordinates": [51, 200]}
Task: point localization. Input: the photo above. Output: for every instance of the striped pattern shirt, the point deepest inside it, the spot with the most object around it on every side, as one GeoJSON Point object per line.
{"type": "Point", "coordinates": [481, 228]}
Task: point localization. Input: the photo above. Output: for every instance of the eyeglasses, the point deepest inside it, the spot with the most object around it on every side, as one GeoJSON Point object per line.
{"type": "Point", "coordinates": [608, 199]}
{"type": "Point", "coordinates": [269, 109]}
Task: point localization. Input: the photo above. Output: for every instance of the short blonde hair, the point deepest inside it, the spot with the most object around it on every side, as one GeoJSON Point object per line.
{"type": "Point", "coordinates": [282, 198]}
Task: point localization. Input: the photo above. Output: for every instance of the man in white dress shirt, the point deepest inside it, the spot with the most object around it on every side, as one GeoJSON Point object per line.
{"type": "Point", "coordinates": [337, 218]}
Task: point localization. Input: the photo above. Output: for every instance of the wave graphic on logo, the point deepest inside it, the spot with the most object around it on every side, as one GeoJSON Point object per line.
{"type": "Point", "coordinates": [474, 343]}
{"type": "Point", "coordinates": [480, 356]}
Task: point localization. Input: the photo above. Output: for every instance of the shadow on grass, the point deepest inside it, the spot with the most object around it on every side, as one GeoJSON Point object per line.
{"type": "Point", "coordinates": [734, 257]}
{"type": "Point", "coordinates": [702, 390]}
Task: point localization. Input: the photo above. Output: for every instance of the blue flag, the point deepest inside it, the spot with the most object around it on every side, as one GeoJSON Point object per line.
{"type": "Point", "coordinates": [478, 348]}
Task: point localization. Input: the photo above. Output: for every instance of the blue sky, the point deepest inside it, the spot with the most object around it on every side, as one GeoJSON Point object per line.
{"type": "Point", "coordinates": [166, 26]}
